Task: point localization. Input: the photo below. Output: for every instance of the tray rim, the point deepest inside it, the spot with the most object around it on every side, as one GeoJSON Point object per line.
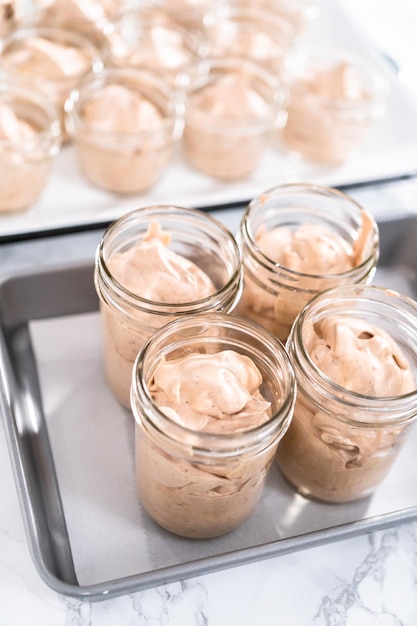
{"type": "Point", "coordinates": [54, 231]}
{"type": "Point", "coordinates": [137, 582]}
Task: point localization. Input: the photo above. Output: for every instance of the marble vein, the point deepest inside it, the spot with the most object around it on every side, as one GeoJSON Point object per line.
{"type": "Point", "coordinates": [365, 600]}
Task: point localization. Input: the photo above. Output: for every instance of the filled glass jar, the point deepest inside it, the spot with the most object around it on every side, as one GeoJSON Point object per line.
{"type": "Point", "coordinates": [335, 97]}
{"type": "Point", "coordinates": [297, 240]}
{"type": "Point", "coordinates": [51, 60]}
{"type": "Point", "coordinates": [231, 108]}
{"type": "Point", "coordinates": [124, 123]}
{"type": "Point", "coordinates": [354, 352]}
{"type": "Point", "coordinates": [153, 265]}
{"type": "Point", "coordinates": [30, 139]}
{"type": "Point", "coordinates": [145, 38]}
{"type": "Point", "coordinates": [212, 396]}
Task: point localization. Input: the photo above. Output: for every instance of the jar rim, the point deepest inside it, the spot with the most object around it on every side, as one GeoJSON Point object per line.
{"type": "Point", "coordinates": [114, 76]}
{"type": "Point", "coordinates": [247, 13]}
{"type": "Point", "coordinates": [11, 90]}
{"type": "Point", "coordinates": [136, 301]}
{"type": "Point", "coordinates": [54, 34]}
{"type": "Point", "coordinates": [318, 53]}
{"type": "Point", "coordinates": [196, 76]}
{"type": "Point", "coordinates": [314, 188]}
{"type": "Point", "coordinates": [136, 18]}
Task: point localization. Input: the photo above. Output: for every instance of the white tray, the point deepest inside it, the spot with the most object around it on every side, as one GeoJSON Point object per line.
{"type": "Point", "coordinates": [389, 151]}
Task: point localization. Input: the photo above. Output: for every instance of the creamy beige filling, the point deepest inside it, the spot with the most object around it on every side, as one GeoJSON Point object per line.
{"type": "Point", "coordinates": [328, 113]}
{"type": "Point", "coordinates": [24, 164]}
{"type": "Point", "coordinates": [359, 356]}
{"type": "Point", "coordinates": [151, 271]}
{"type": "Point", "coordinates": [43, 57]}
{"type": "Point", "coordinates": [11, 127]}
{"type": "Point", "coordinates": [330, 458]}
{"type": "Point", "coordinates": [74, 11]}
{"type": "Point", "coordinates": [118, 109]}
{"type": "Point", "coordinates": [231, 97]}
{"type": "Point", "coordinates": [311, 249]}
{"type": "Point", "coordinates": [154, 272]}
{"type": "Point", "coordinates": [215, 393]}
{"type": "Point", "coordinates": [160, 47]}
{"type": "Point", "coordinates": [250, 41]}
{"type": "Point", "coordinates": [339, 82]}
{"type": "Point", "coordinates": [314, 251]}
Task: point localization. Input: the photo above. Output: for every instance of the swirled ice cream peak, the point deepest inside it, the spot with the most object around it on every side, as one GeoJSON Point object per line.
{"type": "Point", "coordinates": [359, 356]}
{"type": "Point", "coordinates": [231, 97]}
{"type": "Point", "coordinates": [51, 59]}
{"type": "Point", "coordinates": [73, 11]}
{"type": "Point", "coordinates": [116, 108]}
{"type": "Point", "coordinates": [162, 47]}
{"type": "Point", "coordinates": [216, 393]}
{"type": "Point", "coordinates": [311, 249]}
{"type": "Point", "coordinates": [11, 127]}
{"type": "Point", "coordinates": [341, 81]}
{"type": "Point", "coordinates": [156, 273]}
{"type": "Point", "coordinates": [316, 249]}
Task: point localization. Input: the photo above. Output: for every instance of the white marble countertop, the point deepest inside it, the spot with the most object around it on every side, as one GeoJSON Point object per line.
{"type": "Point", "coordinates": [368, 580]}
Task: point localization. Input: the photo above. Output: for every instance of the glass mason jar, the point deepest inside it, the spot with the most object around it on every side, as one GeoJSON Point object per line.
{"type": "Point", "coordinates": [232, 106]}
{"type": "Point", "coordinates": [124, 124]}
{"type": "Point", "coordinates": [90, 19]}
{"type": "Point", "coordinates": [145, 38]}
{"type": "Point", "coordinates": [129, 317]}
{"type": "Point", "coordinates": [324, 230]}
{"type": "Point", "coordinates": [51, 60]}
{"type": "Point", "coordinates": [188, 13]}
{"type": "Point", "coordinates": [30, 138]}
{"type": "Point", "coordinates": [191, 480]}
{"type": "Point", "coordinates": [350, 422]}
{"type": "Point", "coordinates": [244, 29]}
{"type": "Point", "coordinates": [298, 13]}
{"type": "Point", "coordinates": [335, 96]}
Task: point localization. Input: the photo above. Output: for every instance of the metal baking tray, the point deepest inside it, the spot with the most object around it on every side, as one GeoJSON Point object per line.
{"type": "Point", "coordinates": [71, 448]}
